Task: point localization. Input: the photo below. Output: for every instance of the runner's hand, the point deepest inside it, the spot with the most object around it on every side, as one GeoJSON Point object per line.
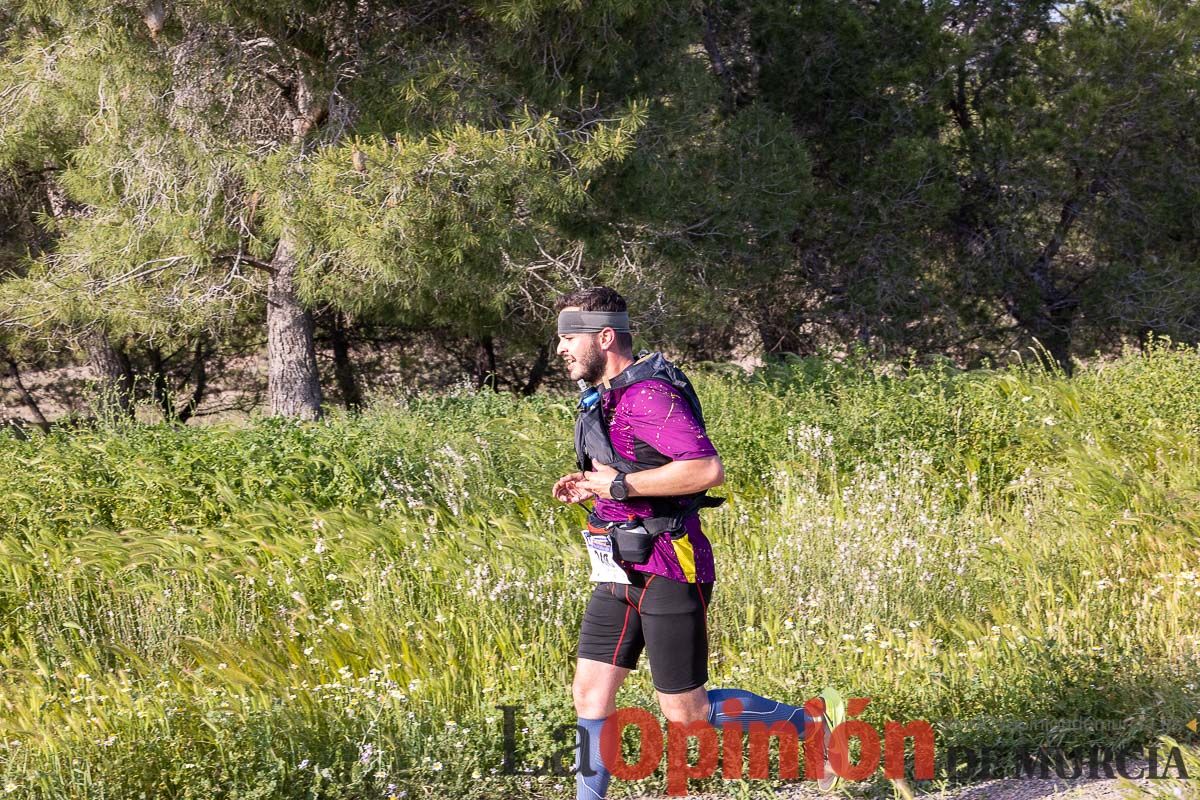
{"type": "Point", "coordinates": [598, 481]}
{"type": "Point", "coordinates": [567, 489]}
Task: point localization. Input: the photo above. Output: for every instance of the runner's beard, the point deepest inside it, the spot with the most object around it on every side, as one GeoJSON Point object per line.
{"type": "Point", "coordinates": [590, 364]}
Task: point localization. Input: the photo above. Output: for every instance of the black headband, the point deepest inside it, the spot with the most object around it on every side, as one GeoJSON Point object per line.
{"type": "Point", "coordinates": [570, 321]}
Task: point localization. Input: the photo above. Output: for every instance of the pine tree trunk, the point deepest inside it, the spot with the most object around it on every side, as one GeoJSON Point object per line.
{"type": "Point", "coordinates": [199, 380]}
{"type": "Point", "coordinates": [113, 373]}
{"type": "Point", "coordinates": [293, 384]}
{"type": "Point", "coordinates": [28, 399]}
{"type": "Point", "coordinates": [343, 367]}
{"type": "Point", "coordinates": [485, 363]}
{"type": "Point", "coordinates": [160, 388]}
{"type": "Point", "coordinates": [541, 365]}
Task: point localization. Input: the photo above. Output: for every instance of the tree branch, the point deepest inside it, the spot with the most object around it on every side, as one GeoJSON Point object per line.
{"type": "Point", "coordinates": [717, 58]}
{"type": "Point", "coordinates": [239, 258]}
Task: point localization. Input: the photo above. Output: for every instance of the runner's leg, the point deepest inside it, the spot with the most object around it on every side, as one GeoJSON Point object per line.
{"type": "Point", "coordinates": [754, 708]}
{"type": "Point", "coordinates": [674, 623]}
{"type": "Point", "coordinates": [676, 633]}
{"type": "Point", "coordinates": [595, 687]}
{"type": "Point", "coordinates": [684, 707]}
{"type": "Point", "coordinates": [675, 626]}
{"type": "Point", "coordinates": [610, 641]}
{"type": "Point", "coordinates": [595, 690]}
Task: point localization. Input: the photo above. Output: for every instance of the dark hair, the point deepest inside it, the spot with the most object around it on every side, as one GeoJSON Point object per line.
{"type": "Point", "coordinates": [598, 298]}
{"type": "Point", "coordinates": [594, 298]}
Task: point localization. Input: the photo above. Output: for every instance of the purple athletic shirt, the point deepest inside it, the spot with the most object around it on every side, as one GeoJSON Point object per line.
{"type": "Point", "coordinates": [658, 414]}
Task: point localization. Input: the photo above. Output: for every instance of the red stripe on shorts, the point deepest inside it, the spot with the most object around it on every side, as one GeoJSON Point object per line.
{"type": "Point", "coordinates": [617, 649]}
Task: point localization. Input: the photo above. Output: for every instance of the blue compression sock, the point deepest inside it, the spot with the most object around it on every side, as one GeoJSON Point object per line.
{"type": "Point", "coordinates": [755, 708]}
{"type": "Point", "coordinates": [594, 786]}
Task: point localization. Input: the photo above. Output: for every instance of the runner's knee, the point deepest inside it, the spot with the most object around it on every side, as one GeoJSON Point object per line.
{"type": "Point", "coordinates": [684, 707]}
{"type": "Point", "coordinates": [591, 702]}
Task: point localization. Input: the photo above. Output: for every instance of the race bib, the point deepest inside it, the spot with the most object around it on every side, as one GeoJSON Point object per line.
{"type": "Point", "coordinates": [604, 566]}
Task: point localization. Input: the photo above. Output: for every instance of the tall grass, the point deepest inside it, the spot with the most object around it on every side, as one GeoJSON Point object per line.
{"type": "Point", "coordinates": [336, 610]}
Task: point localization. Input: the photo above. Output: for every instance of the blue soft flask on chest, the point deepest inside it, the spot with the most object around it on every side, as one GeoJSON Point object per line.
{"type": "Point", "coordinates": [589, 398]}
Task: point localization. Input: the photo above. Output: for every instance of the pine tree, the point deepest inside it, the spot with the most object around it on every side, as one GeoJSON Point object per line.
{"type": "Point", "coordinates": [378, 158]}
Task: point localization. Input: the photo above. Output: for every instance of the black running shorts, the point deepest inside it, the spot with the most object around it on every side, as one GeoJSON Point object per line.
{"type": "Point", "coordinates": [667, 618]}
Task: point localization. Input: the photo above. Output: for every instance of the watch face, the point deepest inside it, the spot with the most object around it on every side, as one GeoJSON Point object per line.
{"type": "Point", "coordinates": [618, 489]}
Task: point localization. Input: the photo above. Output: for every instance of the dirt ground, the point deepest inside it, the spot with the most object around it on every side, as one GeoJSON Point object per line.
{"type": "Point", "coordinates": [1009, 789]}
{"type": "Point", "coordinates": [1083, 789]}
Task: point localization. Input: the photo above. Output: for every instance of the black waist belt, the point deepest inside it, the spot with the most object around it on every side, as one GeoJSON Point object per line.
{"type": "Point", "coordinates": [664, 523]}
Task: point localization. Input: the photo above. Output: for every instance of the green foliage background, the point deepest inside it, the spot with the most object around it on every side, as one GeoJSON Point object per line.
{"type": "Point", "coordinates": [955, 177]}
{"type": "Point", "coordinates": [335, 609]}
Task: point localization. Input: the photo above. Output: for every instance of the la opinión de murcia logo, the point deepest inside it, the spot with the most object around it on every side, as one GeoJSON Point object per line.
{"type": "Point", "coordinates": [727, 753]}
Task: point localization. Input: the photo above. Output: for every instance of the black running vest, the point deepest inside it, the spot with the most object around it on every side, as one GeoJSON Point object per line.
{"type": "Point", "coordinates": [593, 443]}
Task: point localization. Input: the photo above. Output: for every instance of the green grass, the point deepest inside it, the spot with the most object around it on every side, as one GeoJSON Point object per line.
{"type": "Point", "coordinates": [335, 610]}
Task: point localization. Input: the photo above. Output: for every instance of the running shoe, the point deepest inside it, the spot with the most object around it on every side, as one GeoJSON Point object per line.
{"type": "Point", "coordinates": [835, 714]}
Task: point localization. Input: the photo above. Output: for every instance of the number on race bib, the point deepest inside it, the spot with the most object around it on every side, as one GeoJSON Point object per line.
{"type": "Point", "coordinates": [604, 566]}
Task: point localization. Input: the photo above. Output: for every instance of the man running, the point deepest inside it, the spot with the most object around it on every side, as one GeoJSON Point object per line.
{"type": "Point", "coordinates": [653, 589]}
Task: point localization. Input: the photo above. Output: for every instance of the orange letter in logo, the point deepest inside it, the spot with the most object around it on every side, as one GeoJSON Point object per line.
{"type": "Point", "coordinates": [610, 744]}
{"type": "Point", "coordinates": [678, 768]}
{"type": "Point", "coordinates": [839, 745]}
{"type": "Point", "coordinates": [894, 735]}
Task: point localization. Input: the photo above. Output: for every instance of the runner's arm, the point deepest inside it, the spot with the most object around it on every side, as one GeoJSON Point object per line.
{"type": "Point", "coordinates": [676, 478]}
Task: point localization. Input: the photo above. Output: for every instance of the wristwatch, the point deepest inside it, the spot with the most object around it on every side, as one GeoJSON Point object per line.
{"type": "Point", "coordinates": [617, 489]}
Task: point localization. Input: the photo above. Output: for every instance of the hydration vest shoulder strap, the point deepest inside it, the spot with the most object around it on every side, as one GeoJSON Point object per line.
{"type": "Point", "coordinates": [592, 440]}
{"type": "Point", "coordinates": [655, 366]}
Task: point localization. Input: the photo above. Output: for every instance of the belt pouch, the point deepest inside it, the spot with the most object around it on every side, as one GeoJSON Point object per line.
{"type": "Point", "coordinates": [632, 542]}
